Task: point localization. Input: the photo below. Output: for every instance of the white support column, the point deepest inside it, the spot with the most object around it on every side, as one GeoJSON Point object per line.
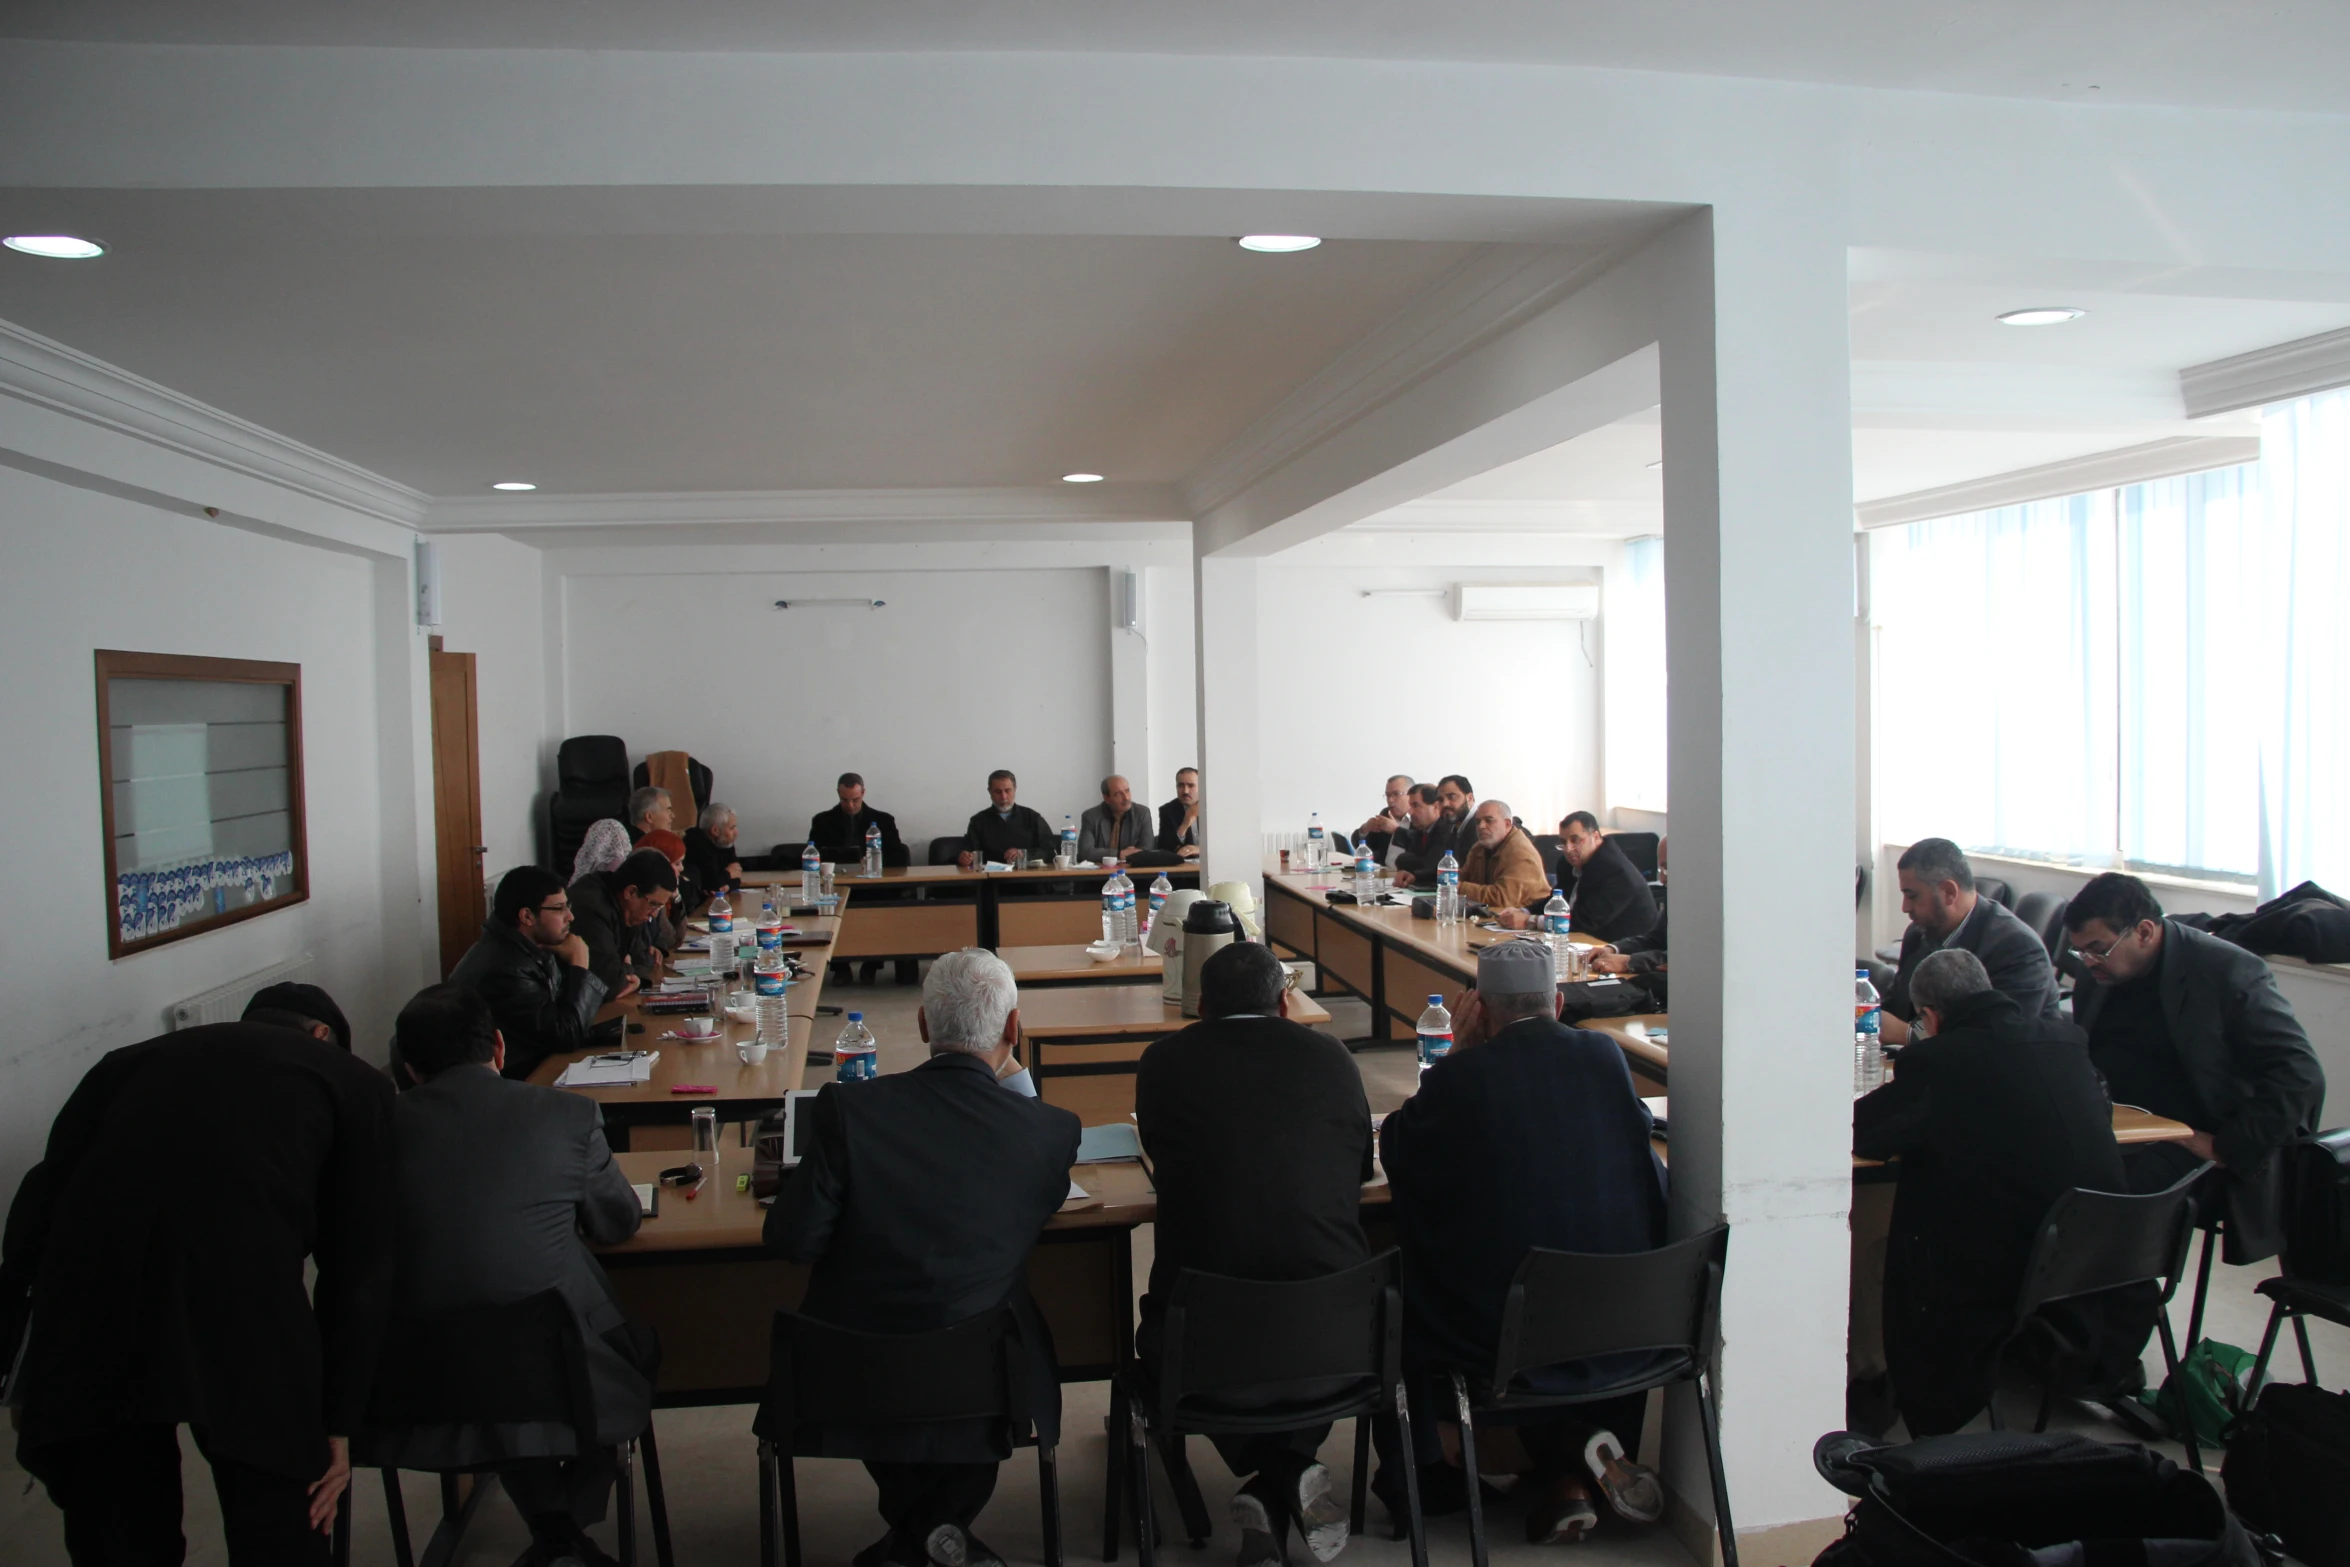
{"type": "Point", "coordinates": [1130, 748]}
{"type": "Point", "coordinates": [1758, 571]}
{"type": "Point", "coordinates": [1232, 813]}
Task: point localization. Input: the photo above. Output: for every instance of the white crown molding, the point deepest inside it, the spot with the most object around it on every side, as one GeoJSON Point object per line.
{"type": "Point", "coordinates": [1486, 294]}
{"type": "Point", "coordinates": [34, 369]}
{"type": "Point", "coordinates": [521, 514]}
{"type": "Point", "coordinates": [2073, 476]}
{"type": "Point", "coordinates": [2267, 375]}
{"type": "Point", "coordinates": [1603, 519]}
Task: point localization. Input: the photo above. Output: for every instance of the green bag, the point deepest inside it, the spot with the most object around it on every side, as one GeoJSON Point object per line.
{"type": "Point", "coordinates": [2208, 1391]}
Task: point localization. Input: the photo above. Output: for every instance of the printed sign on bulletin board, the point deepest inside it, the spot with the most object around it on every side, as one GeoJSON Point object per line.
{"type": "Point", "coordinates": [202, 762]}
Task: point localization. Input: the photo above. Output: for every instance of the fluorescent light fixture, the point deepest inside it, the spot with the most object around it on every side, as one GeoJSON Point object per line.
{"type": "Point", "coordinates": [58, 247]}
{"type": "Point", "coordinates": [1279, 244]}
{"type": "Point", "coordinates": [1081, 478]}
{"type": "Point", "coordinates": [513, 484]}
{"type": "Point", "coordinates": [2043, 315]}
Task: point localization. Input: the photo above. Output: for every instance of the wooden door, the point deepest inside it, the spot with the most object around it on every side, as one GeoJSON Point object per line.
{"type": "Point", "coordinates": [456, 793]}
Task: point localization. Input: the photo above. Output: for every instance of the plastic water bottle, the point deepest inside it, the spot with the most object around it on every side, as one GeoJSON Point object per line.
{"type": "Point", "coordinates": [854, 1053]}
{"type": "Point", "coordinates": [1317, 844]}
{"type": "Point", "coordinates": [768, 984]}
{"type": "Point", "coordinates": [1868, 1056]}
{"type": "Point", "coordinates": [1129, 927]}
{"type": "Point", "coordinates": [1435, 1034]}
{"type": "Point", "coordinates": [1557, 915]}
{"type": "Point", "coordinates": [768, 913]}
{"type": "Point", "coordinates": [1110, 930]}
{"type": "Point", "coordinates": [1448, 890]}
{"type": "Point", "coordinates": [721, 934]}
{"type": "Point", "coordinates": [1160, 891]}
{"type": "Point", "coordinates": [1366, 871]}
{"type": "Point", "coordinates": [871, 864]}
{"type": "Point", "coordinates": [811, 874]}
{"type": "Point", "coordinates": [1068, 839]}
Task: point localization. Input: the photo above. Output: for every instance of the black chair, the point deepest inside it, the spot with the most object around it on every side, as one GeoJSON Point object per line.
{"type": "Point", "coordinates": [518, 1363]}
{"type": "Point", "coordinates": [1640, 849]}
{"type": "Point", "coordinates": [2092, 1242]}
{"type": "Point", "coordinates": [2314, 1276]}
{"type": "Point", "coordinates": [945, 851]}
{"type": "Point", "coordinates": [1997, 891]}
{"type": "Point", "coordinates": [819, 1375]}
{"type": "Point", "coordinates": [1566, 1305]}
{"type": "Point", "coordinates": [1554, 857]}
{"type": "Point", "coordinates": [591, 783]}
{"type": "Point", "coordinates": [1238, 1357]}
{"type": "Point", "coordinates": [2035, 909]}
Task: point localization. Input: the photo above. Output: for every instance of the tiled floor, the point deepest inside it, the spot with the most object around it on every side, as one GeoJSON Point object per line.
{"type": "Point", "coordinates": [710, 1466]}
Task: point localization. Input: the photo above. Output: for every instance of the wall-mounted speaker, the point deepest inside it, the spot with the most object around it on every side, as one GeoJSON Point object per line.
{"type": "Point", "coordinates": [428, 583]}
{"type": "Point", "coordinates": [1126, 598]}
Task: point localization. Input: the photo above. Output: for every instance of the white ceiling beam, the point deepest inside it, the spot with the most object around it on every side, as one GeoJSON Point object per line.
{"type": "Point", "coordinates": [2074, 476]}
{"type": "Point", "coordinates": [787, 510]}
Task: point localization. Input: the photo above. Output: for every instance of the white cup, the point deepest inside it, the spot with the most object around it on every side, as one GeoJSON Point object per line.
{"type": "Point", "coordinates": [699, 1027]}
{"type": "Point", "coordinates": [753, 1050]}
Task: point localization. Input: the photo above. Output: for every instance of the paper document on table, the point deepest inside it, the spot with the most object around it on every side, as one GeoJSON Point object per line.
{"type": "Point", "coordinates": [615, 1071]}
{"type": "Point", "coordinates": [1077, 1193]}
{"type": "Point", "coordinates": [647, 1198]}
{"type": "Point", "coordinates": [1104, 1144]}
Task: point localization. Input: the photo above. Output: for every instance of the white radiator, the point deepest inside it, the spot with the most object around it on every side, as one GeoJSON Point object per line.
{"type": "Point", "coordinates": [225, 1003]}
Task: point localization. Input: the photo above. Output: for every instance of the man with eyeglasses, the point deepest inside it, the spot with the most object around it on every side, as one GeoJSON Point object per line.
{"type": "Point", "coordinates": [2194, 1028]}
{"type": "Point", "coordinates": [532, 969]}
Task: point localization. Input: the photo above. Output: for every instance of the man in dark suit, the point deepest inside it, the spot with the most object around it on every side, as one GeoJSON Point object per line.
{"type": "Point", "coordinates": [159, 1249]}
{"type": "Point", "coordinates": [1179, 817]}
{"type": "Point", "coordinates": [839, 834]}
{"type": "Point", "coordinates": [1006, 825]}
{"type": "Point", "coordinates": [918, 1201]}
{"type": "Point", "coordinates": [610, 910]}
{"type": "Point", "coordinates": [1259, 1138]}
{"type": "Point", "coordinates": [532, 969]}
{"type": "Point", "coordinates": [2192, 1027]}
{"type": "Point", "coordinates": [1610, 897]}
{"type": "Point", "coordinates": [1414, 850]}
{"type": "Point", "coordinates": [501, 1186]}
{"type": "Point", "coordinates": [1994, 1114]}
{"type": "Point", "coordinates": [1391, 818]}
{"type": "Point", "coordinates": [1938, 894]}
{"type": "Point", "coordinates": [1527, 1134]}
{"type": "Point", "coordinates": [305, 1007]}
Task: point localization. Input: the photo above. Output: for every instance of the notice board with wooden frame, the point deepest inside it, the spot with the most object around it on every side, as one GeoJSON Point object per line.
{"type": "Point", "coordinates": [201, 767]}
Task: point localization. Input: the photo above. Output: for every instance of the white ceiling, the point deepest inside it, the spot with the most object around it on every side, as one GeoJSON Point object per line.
{"type": "Point", "coordinates": [2278, 54]}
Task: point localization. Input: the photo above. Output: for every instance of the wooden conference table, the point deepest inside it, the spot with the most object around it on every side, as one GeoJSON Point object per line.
{"type": "Point", "coordinates": [920, 911]}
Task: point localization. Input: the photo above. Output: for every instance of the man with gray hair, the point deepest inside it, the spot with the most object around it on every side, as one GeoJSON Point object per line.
{"type": "Point", "coordinates": [711, 859]}
{"type": "Point", "coordinates": [1993, 1114]}
{"type": "Point", "coordinates": [650, 810]}
{"type": "Point", "coordinates": [1117, 829]}
{"type": "Point", "coordinates": [1527, 1134]}
{"type": "Point", "coordinates": [1945, 912]}
{"type": "Point", "coordinates": [918, 1201]}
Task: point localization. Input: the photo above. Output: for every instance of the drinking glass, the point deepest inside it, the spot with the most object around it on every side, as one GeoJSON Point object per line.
{"type": "Point", "coordinates": [1015, 858]}
{"type": "Point", "coordinates": [706, 1140]}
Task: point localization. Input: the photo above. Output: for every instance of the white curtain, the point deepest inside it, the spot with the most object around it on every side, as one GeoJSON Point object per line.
{"type": "Point", "coordinates": [2303, 692]}
{"type": "Point", "coordinates": [1995, 709]}
{"type": "Point", "coordinates": [1635, 634]}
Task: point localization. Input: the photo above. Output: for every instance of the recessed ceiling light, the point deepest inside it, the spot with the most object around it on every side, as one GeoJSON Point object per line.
{"type": "Point", "coordinates": [1081, 478]}
{"type": "Point", "coordinates": [513, 484]}
{"type": "Point", "coordinates": [60, 247]}
{"type": "Point", "coordinates": [2043, 315]}
{"type": "Point", "coordinates": [1654, 466]}
{"type": "Point", "coordinates": [1279, 244]}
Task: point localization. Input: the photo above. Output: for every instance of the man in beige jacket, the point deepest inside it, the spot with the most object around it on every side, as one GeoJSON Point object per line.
{"type": "Point", "coordinates": [1504, 870]}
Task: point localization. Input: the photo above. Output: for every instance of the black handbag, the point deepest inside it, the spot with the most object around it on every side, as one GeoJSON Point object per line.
{"type": "Point", "coordinates": [2287, 1470]}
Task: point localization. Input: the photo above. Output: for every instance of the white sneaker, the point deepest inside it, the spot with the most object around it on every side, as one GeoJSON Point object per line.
{"type": "Point", "coordinates": [1630, 1488]}
{"type": "Point", "coordinates": [1321, 1518]}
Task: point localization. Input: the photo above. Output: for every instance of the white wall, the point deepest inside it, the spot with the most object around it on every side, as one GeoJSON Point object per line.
{"type": "Point", "coordinates": [1168, 633]}
{"type": "Point", "coordinates": [491, 607]}
{"type": "Point", "coordinates": [961, 673]}
{"type": "Point", "coordinates": [1358, 688]}
{"type": "Point", "coordinates": [88, 570]}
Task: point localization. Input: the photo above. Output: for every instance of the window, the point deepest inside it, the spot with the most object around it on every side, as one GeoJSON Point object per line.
{"type": "Point", "coordinates": [2150, 676]}
{"type": "Point", "coordinates": [1635, 633]}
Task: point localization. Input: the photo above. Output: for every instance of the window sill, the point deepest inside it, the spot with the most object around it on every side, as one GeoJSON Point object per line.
{"type": "Point", "coordinates": [2225, 889]}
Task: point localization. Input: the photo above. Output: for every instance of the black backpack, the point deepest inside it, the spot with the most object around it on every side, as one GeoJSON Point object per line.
{"type": "Point", "coordinates": [1991, 1500]}
{"type": "Point", "coordinates": [2288, 1470]}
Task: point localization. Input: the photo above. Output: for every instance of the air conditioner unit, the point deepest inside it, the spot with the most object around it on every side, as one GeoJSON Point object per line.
{"type": "Point", "coordinates": [1525, 601]}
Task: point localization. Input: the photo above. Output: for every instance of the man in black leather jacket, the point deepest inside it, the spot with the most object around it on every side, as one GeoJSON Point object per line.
{"type": "Point", "coordinates": [533, 970]}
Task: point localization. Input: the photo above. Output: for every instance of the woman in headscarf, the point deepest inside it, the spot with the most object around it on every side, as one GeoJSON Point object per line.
{"type": "Point", "coordinates": [604, 847]}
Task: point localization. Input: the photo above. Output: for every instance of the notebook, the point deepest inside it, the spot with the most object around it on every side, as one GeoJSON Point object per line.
{"type": "Point", "coordinates": [621, 1069]}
